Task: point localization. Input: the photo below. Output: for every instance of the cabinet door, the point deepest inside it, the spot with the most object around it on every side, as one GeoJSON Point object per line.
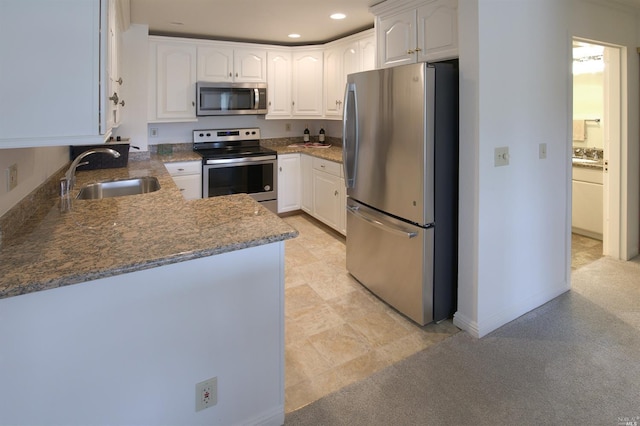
{"type": "Point", "coordinates": [114, 92]}
{"type": "Point", "coordinates": [438, 30]}
{"type": "Point", "coordinates": [50, 73]}
{"type": "Point", "coordinates": [176, 78]}
{"type": "Point", "coordinates": [367, 49]}
{"type": "Point", "coordinates": [307, 83]}
{"type": "Point", "coordinates": [306, 178]}
{"type": "Point", "coordinates": [279, 83]}
{"type": "Point", "coordinates": [215, 64]}
{"type": "Point", "coordinates": [333, 78]}
{"type": "Point", "coordinates": [288, 182]}
{"type": "Point", "coordinates": [396, 38]}
{"type": "Point", "coordinates": [250, 65]}
{"type": "Point", "coordinates": [327, 197]}
{"type": "Point", "coordinates": [189, 185]}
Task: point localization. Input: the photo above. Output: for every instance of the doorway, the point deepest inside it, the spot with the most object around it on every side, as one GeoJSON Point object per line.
{"type": "Point", "coordinates": [597, 145]}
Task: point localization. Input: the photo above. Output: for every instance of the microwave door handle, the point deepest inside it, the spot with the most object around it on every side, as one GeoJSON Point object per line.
{"type": "Point", "coordinates": [256, 98]}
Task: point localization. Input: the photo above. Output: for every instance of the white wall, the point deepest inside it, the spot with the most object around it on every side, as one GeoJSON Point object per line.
{"type": "Point", "coordinates": [35, 165]}
{"type": "Point", "coordinates": [514, 219]}
{"type": "Point", "coordinates": [516, 92]}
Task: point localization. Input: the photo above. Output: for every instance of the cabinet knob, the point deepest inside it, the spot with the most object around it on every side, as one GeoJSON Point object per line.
{"type": "Point", "coordinates": [336, 193]}
{"type": "Point", "coordinates": [122, 103]}
{"type": "Point", "coordinates": [119, 81]}
{"type": "Point", "coordinates": [114, 98]}
{"type": "Point", "coordinates": [230, 75]}
{"type": "Point", "coordinates": [236, 75]}
{"type": "Point", "coordinates": [418, 49]}
{"type": "Point", "coordinates": [410, 52]}
{"type": "Point", "coordinates": [193, 103]}
{"type": "Point", "coordinates": [280, 168]}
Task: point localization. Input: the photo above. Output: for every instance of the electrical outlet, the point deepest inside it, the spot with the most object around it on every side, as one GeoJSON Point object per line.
{"type": "Point", "coordinates": [153, 132]}
{"type": "Point", "coordinates": [542, 151]}
{"type": "Point", "coordinates": [206, 394]}
{"type": "Point", "coordinates": [287, 127]}
{"type": "Point", "coordinates": [12, 177]}
{"type": "Point", "coordinates": [501, 156]}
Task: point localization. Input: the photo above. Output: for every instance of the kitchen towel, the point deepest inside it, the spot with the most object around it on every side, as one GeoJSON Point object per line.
{"type": "Point", "coordinates": [579, 130]}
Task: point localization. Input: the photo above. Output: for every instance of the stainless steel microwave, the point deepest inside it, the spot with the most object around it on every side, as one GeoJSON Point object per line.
{"type": "Point", "coordinates": [231, 98]}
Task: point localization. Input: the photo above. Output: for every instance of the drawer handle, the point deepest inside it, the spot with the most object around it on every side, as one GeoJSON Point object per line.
{"type": "Point", "coordinates": [181, 170]}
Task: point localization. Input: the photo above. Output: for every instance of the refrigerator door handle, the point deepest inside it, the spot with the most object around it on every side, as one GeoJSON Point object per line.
{"type": "Point", "coordinates": [350, 135]}
{"type": "Point", "coordinates": [379, 222]}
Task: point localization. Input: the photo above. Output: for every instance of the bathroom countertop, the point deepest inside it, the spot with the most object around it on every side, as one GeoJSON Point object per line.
{"type": "Point", "coordinates": [111, 236]}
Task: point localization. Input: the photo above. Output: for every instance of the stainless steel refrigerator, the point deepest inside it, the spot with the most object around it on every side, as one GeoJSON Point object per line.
{"type": "Point", "coordinates": [400, 157]}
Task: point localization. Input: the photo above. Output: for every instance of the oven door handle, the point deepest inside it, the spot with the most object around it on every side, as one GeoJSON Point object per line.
{"type": "Point", "coordinates": [240, 160]}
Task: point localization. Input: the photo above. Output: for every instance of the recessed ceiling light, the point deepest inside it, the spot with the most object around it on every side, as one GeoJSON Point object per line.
{"type": "Point", "coordinates": [294, 35]}
{"type": "Point", "coordinates": [338, 16]}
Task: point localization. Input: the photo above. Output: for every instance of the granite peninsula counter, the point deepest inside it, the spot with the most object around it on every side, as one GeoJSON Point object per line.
{"type": "Point", "coordinates": [101, 238]}
{"type": "Point", "coordinates": [168, 293]}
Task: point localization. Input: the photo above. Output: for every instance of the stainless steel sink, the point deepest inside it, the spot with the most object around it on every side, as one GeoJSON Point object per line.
{"type": "Point", "coordinates": [119, 188]}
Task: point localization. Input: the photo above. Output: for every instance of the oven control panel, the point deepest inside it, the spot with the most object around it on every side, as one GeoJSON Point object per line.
{"type": "Point", "coordinates": [226, 135]}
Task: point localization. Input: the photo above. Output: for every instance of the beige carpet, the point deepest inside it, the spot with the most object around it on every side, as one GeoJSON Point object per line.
{"type": "Point", "coordinates": [573, 361]}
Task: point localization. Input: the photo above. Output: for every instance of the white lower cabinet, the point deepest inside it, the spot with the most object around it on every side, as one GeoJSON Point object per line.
{"type": "Point", "coordinates": [329, 195]}
{"type": "Point", "coordinates": [188, 177]}
{"type": "Point", "coordinates": [288, 182]}
{"type": "Point", "coordinates": [587, 202]}
{"type": "Point", "coordinates": [306, 179]}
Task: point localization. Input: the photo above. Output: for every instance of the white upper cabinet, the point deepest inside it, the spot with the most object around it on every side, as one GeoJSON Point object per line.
{"type": "Point", "coordinates": [215, 64]}
{"type": "Point", "coordinates": [409, 31]}
{"type": "Point", "coordinates": [341, 58]}
{"type": "Point", "coordinates": [54, 72]}
{"type": "Point", "coordinates": [172, 82]}
{"type": "Point", "coordinates": [307, 83]}
{"type": "Point", "coordinates": [279, 83]}
{"type": "Point", "coordinates": [221, 62]}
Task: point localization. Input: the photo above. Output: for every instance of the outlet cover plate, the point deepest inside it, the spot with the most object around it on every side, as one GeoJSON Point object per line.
{"type": "Point", "coordinates": [501, 156]}
{"type": "Point", "coordinates": [206, 394]}
{"type": "Point", "coordinates": [12, 177]}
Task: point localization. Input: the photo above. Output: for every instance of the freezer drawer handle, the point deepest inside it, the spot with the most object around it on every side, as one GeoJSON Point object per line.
{"type": "Point", "coordinates": [394, 229]}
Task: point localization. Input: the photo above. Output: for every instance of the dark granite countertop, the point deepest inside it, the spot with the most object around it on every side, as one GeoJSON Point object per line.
{"type": "Point", "coordinates": [102, 238]}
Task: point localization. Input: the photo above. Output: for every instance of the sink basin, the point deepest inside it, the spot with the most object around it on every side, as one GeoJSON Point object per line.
{"type": "Point", "coordinates": [119, 188]}
{"type": "Point", "coordinates": [584, 161]}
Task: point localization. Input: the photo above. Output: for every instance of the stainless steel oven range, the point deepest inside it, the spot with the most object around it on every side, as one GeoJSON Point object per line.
{"type": "Point", "coordinates": [233, 162]}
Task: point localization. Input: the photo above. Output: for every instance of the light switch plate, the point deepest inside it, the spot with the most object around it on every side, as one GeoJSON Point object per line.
{"type": "Point", "coordinates": [501, 156]}
{"type": "Point", "coordinates": [542, 151]}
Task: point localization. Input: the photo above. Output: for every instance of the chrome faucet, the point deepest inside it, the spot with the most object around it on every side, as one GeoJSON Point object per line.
{"type": "Point", "coordinates": [67, 183]}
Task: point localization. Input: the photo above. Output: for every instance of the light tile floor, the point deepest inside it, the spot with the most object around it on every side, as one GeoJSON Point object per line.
{"type": "Point", "coordinates": [584, 250]}
{"type": "Point", "coordinates": [336, 331]}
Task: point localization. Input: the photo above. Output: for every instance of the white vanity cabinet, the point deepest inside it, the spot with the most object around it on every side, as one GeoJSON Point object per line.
{"type": "Point", "coordinates": [288, 182]}
{"type": "Point", "coordinates": [223, 62]}
{"type": "Point", "coordinates": [188, 177]}
{"type": "Point", "coordinates": [329, 194]}
{"type": "Point", "coordinates": [587, 202]}
{"type": "Point", "coordinates": [172, 80]}
{"type": "Point", "coordinates": [54, 74]}
{"type": "Point", "coordinates": [410, 31]}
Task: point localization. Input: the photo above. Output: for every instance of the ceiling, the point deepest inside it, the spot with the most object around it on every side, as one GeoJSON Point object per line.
{"type": "Point", "coordinates": [265, 21]}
